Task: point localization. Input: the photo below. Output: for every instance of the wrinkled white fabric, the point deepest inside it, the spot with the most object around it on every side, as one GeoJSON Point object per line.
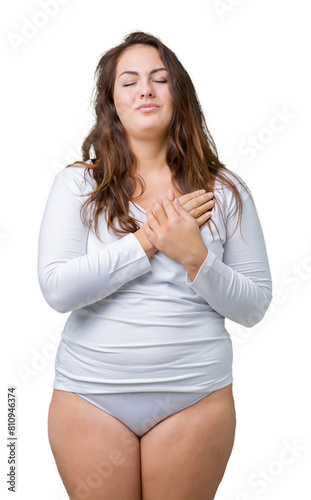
{"type": "Point", "coordinates": [139, 324]}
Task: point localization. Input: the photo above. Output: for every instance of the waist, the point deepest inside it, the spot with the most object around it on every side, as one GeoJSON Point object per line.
{"type": "Point", "coordinates": [153, 326]}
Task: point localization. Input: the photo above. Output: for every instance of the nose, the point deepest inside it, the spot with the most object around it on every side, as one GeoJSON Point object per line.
{"type": "Point", "coordinates": [146, 90]}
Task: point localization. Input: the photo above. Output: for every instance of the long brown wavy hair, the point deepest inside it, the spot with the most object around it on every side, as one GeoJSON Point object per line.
{"type": "Point", "coordinates": [191, 152]}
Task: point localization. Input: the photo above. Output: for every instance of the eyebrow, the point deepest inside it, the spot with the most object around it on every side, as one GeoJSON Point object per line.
{"type": "Point", "coordinates": [135, 72]}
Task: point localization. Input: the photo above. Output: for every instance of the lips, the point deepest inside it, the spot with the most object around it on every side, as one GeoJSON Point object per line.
{"type": "Point", "coordinates": [148, 106]}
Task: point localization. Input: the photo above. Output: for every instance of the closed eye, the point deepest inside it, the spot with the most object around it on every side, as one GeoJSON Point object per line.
{"type": "Point", "coordinates": [156, 81]}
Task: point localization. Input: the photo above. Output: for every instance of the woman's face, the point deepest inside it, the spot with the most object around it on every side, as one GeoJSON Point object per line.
{"type": "Point", "coordinates": [141, 93]}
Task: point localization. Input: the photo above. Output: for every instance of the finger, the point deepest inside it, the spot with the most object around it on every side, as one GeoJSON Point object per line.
{"type": "Point", "coordinates": [203, 218]}
{"type": "Point", "coordinates": [171, 195]}
{"type": "Point", "coordinates": [202, 209]}
{"type": "Point", "coordinates": [152, 237]}
{"type": "Point", "coordinates": [195, 201]}
{"type": "Point", "coordinates": [159, 211]}
{"type": "Point", "coordinates": [201, 194]}
{"type": "Point", "coordinates": [181, 211]}
{"type": "Point", "coordinates": [170, 208]}
{"type": "Point", "coordinates": [152, 220]}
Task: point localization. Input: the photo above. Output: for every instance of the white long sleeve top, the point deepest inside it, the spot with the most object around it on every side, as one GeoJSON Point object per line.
{"type": "Point", "coordinates": [140, 324]}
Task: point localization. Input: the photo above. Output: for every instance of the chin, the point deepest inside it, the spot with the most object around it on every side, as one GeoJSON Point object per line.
{"type": "Point", "coordinates": [154, 127]}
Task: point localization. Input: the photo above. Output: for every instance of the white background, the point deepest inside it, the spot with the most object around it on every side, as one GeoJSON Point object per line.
{"type": "Point", "coordinates": [249, 61]}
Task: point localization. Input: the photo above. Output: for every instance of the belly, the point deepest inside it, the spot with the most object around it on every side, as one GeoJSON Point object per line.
{"type": "Point", "coordinates": [156, 351]}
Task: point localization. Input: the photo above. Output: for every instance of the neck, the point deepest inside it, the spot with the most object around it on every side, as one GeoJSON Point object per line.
{"type": "Point", "coordinates": [151, 156]}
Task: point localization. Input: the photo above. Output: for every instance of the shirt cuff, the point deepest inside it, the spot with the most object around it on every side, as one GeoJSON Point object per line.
{"type": "Point", "coordinates": [206, 265]}
{"type": "Point", "coordinates": [131, 243]}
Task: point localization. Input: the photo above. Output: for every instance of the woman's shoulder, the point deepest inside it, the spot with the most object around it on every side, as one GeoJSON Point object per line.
{"type": "Point", "coordinates": [76, 176]}
{"type": "Point", "coordinates": [225, 193]}
{"type": "Point", "coordinates": [224, 186]}
{"type": "Point", "coordinates": [233, 177]}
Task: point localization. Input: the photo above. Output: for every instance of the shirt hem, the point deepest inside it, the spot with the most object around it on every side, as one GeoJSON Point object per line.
{"type": "Point", "coordinates": [82, 389]}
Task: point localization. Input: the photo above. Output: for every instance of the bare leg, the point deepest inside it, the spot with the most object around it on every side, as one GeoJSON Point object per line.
{"type": "Point", "coordinates": [97, 456]}
{"type": "Point", "coordinates": [185, 455]}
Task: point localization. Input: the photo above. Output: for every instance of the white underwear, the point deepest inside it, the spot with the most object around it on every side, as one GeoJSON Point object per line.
{"type": "Point", "coordinates": [142, 411]}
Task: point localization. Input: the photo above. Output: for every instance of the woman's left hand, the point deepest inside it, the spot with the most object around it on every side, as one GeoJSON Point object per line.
{"type": "Point", "coordinates": [174, 232]}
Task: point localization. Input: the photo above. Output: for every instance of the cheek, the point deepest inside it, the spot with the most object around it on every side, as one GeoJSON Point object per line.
{"type": "Point", "coordinates": [170, 105]}
{"type": "Point", "coordinates": [168, 98]}
{"type": "Point", "coordinates": [123, 102]}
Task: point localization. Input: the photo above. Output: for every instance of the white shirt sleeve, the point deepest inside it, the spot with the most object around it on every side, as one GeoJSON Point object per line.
{"type": "Point", "coordinates": [239, 286]}
{"type": "Point", "coordinates": [69, 277]}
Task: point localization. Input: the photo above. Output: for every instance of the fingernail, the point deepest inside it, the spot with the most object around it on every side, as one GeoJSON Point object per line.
{"type": "Point", "coordinates": [202, 191]}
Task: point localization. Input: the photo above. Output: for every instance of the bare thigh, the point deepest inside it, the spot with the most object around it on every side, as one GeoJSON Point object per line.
{"type": "Point", "coordinates": [97, 456]}
{"type": "Point", "coordinates": [185, 455]}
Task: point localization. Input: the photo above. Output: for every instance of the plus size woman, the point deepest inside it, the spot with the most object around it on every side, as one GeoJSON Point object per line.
{"type": "Point", "coordinates": [150, 242]}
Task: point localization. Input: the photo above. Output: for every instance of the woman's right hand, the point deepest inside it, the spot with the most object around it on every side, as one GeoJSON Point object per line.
{"type": "Point", "coordinates": [198, 205]}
